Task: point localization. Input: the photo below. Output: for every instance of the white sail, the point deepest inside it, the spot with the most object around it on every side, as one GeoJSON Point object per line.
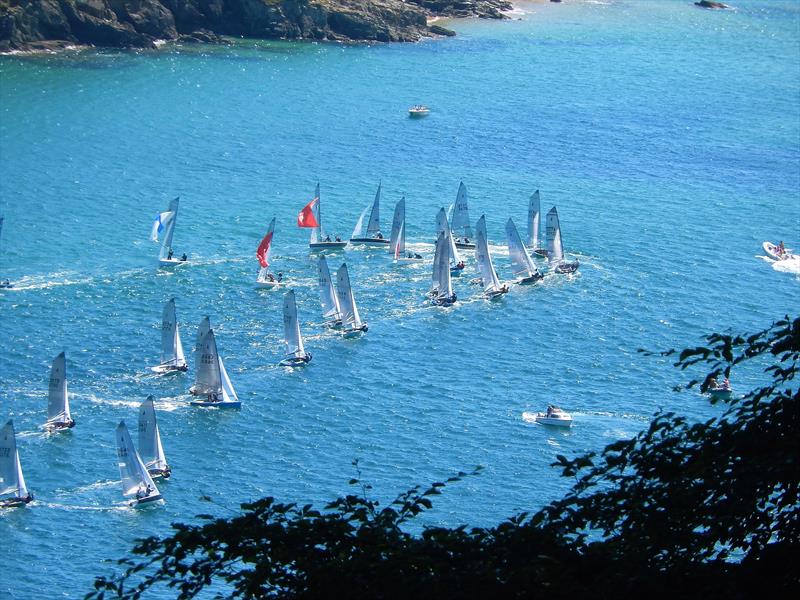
{"type": "Point", "coordinates": [12, 480]}
{"type": "Point", "coordinates": [484, 260]}
{"type": "Point", "coordinates": [291, 328]}
{"type": "Point", "coordinates": [397, 241]}
{"type": "Point", "coordinates": [136, 481]}
{"type": "Point", "coordinates": [327, 293]}
{"type": "Point", "coordinates": [58, 403]}
{"type": "Point", "coordinates": [555, 249]}
{"type": "Point", "coordinates": [359, 224]}
{"type": "Point", "coordinates": [171, 347]}
{"type": "Point", "coordinates": [442, 282]}
{"type": "Point", "coordinates": [208, 378]}
{"type": "Point", "coordinates": [534, 216]}
{"type": "Point", "coordinates": [202, 330]}
{"type": "Point", "coordinates": [317, 233]}
{"type": "Point", "coordinates": [150, 449]}
{"type": "Point", "coordinates": [461, 224]}
{"type": "Point", "coordinates": [350, 317]}
{"type": "Point", "coordinates": [165, 224]}
{"type": "Point", "coordinates": [374, 223]}
{"type": "Point", "coordinates": [443, 227]}
{"type": "Point", "coordinates": [521, 262]}
{"type": "Point", "coordinates": [228, 393]}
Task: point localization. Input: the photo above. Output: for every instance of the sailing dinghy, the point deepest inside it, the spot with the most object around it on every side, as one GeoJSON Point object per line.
{"type": "Point", "coordinates": [331, 311]}
{"type": "Point", "coordinates": [172, 358]}
{"type": "Point", "coordinates": [492, 288]}
{"type": "Point", "coordinates": [211, 379]}
{"type": "Point", "coordinates": [58, 415]}
{"type": "Point", "coordinates": [311, 216]}
{"type": "Point", "coordinates": [13, 491]}
{"type": "Point", "coordinates": [265, 278]}
{"type": "Point", "coordinates": [442, 286]}
{"type": "Point", "coordinates": [296, 355]}
{"type": "Point", "coordinates": [397, 241]}
{"type": "Point", "coordinates": [352, 325]}
{"type": "Point", "coordinates": [521, 262]}
{"type": "Point", "coordinates": [534, 225]}
{"type": "Point", "coordinates": [555, 247]}
{"type": "Point", "coordinates": [442, 226]}
{"type": "Point", "coordinates": [136, 481]}
{"type": "Point", "coordinates": [150, 449]}
{"type": "Point", "coordinates": [461, 228]}
{"type": "Point", "coordinates": [164, 224]}
{"type": "Point", "coordinates": [373, 236]}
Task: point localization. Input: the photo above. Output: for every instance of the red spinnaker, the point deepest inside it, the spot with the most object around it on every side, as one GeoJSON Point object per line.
{"type": "Point", "coordinates": [306, 217]}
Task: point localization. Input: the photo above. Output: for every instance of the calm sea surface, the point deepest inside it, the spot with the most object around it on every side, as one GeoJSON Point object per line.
{"type": "Point", "coordinates": [668, 137]}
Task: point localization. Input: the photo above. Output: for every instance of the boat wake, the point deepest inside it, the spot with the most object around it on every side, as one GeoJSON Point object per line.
{"type": "Point", "coordinates": [791, 265]}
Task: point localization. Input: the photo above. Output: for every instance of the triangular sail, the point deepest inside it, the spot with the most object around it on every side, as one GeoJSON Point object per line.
{"type": "Point", "coordinates": [135, 478]}
{"type": "Point", "coordinates": [150, 449]}
{"type": "Point", "coordinates": [347, 302]}
{"type": "Point", "coordinates": [534, 216]}
{"type": "Point", "coordinates": [520, 260]}
{"type": "Point", "coordinates": [555, 249]}
{"type": "Point", "coordinates": [264, 249]}
{"type": "Point", "coordinates": [359, 224]}
{"type": "Point", "coordinates": [202, 330]}
{"type": "Point", "coordinates": [171, 348]}
{"type": "Point", "coordinates": [228, 393]}
{"type": "Point", "coordinates": [327, 293]}
{"type": "Point", "coordinates": [291, 328]}
{"type": "Point", "coordinates": [58, 403]}
{"type": "Point", "coordinates": [317, 233]}
{"type": "Point", "coordinates": [484, 260]}
{"type": "Point", "coordinates": [461, 224]}
{"type": "Point", "coordinates": [442, 282]}
{"type": "Point", "coordinates": [208, 378]}
{"type": "Point", "coordinates": [374, 223]}
{"type": "Point", "coordinates": [397, 241]}
{"type": "Point", "coordinates": [443, 227]}
{"type": "Point", "coordinates": [11, 478]}
{"type": "Point", "coordinates": [164, 224]}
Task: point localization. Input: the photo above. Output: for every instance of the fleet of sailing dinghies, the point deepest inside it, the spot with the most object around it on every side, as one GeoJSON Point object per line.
{"type": "Point", "coordinates": [150, 449]}
{"type": "Point", "coordinates": [172, 358]}
{"type": "Point", "coordinates": [534, 225]}
{"type": "Point", "coordinates": [13, 491]}
{"type": "Point", "coordinates": [521, 262]}
{"type": "Point", "coordinates": [352, 325]}
{"type": "Point", "coordinates": [373, 235]}
{"type": "Point", "coordinates": [211, 379]}
{"type": "Point", "coordinates": [492, 288]}
{"type": "Point", "coordinates": [265, 278]}
{"type": "Point", "coordinates": [296, 355]}
{"type": "Point", "coordinates": [331, 311]}
{"type": "Point", "coordinates": [58, 415]}
{"type": "Point", "coordinates": [441, 291]}
{"type": "Point", "coordinates": [164, 225]}
{"type": "Point", "coordinates": [555, 248]}
{"type": "Point", "coordinates": [460, 223]}
{"type": "Point", "coordinates": [442, 226]}
{"type": "Point", "coordinates": [311, 216]}
{"type": "Point", "coordinates": [136, 480]}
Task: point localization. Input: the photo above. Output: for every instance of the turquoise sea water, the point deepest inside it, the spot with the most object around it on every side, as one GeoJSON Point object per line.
{"type": "Point", "coordinates": [668, 137]}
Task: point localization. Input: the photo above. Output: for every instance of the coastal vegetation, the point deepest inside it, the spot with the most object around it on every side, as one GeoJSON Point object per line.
{"type": "Point", "coordinates": [48, 24]}
{"type": "Point", "coordinates": [683, 509]}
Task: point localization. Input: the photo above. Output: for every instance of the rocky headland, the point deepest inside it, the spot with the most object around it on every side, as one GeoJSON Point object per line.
{"type": "Point", "coordinates": [51, 24]}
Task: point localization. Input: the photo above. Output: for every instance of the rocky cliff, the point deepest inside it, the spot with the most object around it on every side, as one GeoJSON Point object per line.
{"type": "Point", "coordinates": [43, 24]}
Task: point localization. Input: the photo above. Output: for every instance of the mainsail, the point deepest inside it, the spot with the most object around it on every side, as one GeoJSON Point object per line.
{"type": "Point", "coordinates": [534, 216]}
{"type": "Point", "coordinates": [136, 481]}
{"type": "Point", "coordinates": [12, 480]}
{"type": "Point", "coordinates": [202, 330]}
{"type": "Point", "coordinates": [208, 379]}
{"type": "Point", "coordinates": [555, 249]}
{"type": "Point", "coordinates": [485, 267]}
{"type": "Point", "coordinates": [171, 347]}
{"type": "Point", "coordinates": [327, 293]}
{"type": "Point", "coordinates": [350, 317]}
{"type": "Point", "coordinates": [374, 223]}
{"type": "Point", "coordinates": [443, 227]}
{"type": "Point", "coordinates": [461, 225]}
{"type": "Point", "coordinates": [520, 260]}
{"type": "Point", "coordinates": [164, 223]}
{"type": "Point", "coordinates": [150, 449]}
{"type": "Point", "coordinates": [291, 328]}
{"type": "Point", "coordinates": [317, 233]}
{"type": "Point", "coordinates": [397, 241]}
{"type": "Point", "coordinates": [58, 403]}
{"type": "Point", "coordinates": [442, 282]}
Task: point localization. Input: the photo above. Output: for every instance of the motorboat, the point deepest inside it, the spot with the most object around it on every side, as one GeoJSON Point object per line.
{"type": "Point", "coordinates": [554, 416]}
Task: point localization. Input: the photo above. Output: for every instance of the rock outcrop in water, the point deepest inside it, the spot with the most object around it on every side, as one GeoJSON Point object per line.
{"type": "Point", "coordinates": [43, 24]}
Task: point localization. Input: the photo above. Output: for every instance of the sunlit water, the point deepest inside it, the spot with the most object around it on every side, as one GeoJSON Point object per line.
{"type": "Point", "coordinates": [666, 135]}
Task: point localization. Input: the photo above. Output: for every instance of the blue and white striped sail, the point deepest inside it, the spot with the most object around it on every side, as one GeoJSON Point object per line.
{"type": "Point", "coordinates": [350, 317]}
{"type": "Point", "coordinates": [555, 248]}
{"type": "Point", "coordinates": [136, 481]}
{"type": "Point", "coordinates": [291, 327]}
{"type": "Point", "coordinates": [521, 262]}
{"type": "Point", "coordinates": [534, 218]}
{"type": "Point", "coordinates": [485, 267]}
{"type": "Point", "coordinates": [164, 225]}
{"type": "Point", "coordinates": [12, 481]}
{"type": "Point", "coordinates": [461, 223]}
{"type": "Point", "coordinates": [150, 449]}
{"type": "Point", "coordinates": [397, 241]}
{"type": "Point", "coordinates": [57, 400]}
{"type": "Point", "coordinates": [327, 293]}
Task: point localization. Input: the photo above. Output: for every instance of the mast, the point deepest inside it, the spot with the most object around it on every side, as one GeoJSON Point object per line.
{"type": "Point", "coordinates": [534, 212]}
{"type": "Point", "coordinates": [58, 402]}
{"type": "Point", "coordinates": [317, 233]}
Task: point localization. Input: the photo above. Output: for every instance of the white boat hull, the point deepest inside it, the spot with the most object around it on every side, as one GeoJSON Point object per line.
{"type": "Point", "coordinates": [369, 242]}
{"type": "Point", "coordinates": [465, 245]}
{"type": "Point", "coordinates": [216, 404]}
{"type": "Point", "coordinates": [295, 363]}
{"type": "Point", "coordinates": [171, 262]}
{"type": "Point", "coordinates": [59, 426]}
{"type": "Point", "coordinates": [543, 419]}
{"type": "Point", "coordinates": [268, 285]}
{"type": "Point", "coordinates": [162, 369]}
{"type": "Point", "coordinates": [327, 245]}
{"type": "Point", "coordinates": [567, 267]}
{"type": "Point", "coordinates": [146, 500]}
{"type": "Point", "coordinates": [773, 251]}
{"type": "Point", "coordinates": [531, 279]}
{"type": "Point", "coordinates": [354, 333]}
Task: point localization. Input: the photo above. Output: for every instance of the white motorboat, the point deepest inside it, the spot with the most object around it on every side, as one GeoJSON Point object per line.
{"type": "Point", "coordinates": [554, 416]}
{"type": "Point", "coordinates": [778, 251]}
{"type": "Point", "coordinates": [418, 111]}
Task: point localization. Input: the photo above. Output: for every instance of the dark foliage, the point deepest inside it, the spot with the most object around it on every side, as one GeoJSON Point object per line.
{"type": "Point", "coordinates": [682, 510]}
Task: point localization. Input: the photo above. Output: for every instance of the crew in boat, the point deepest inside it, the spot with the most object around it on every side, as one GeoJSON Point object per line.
{"type": "Point", "coordinates": [270, 277]}
{"type": "Point", "coordinates": [169, 254]}
{"type": "Point", "coordinates": [183, 257]}
{"type": "Point", "coordinates": [280, 276]}
{"type": "Point", "coordinates": [460, 265]}
{"type": "Point", "coordinates": [550, 410]}
{"type": "Point", "coordinates": [327, 238]}
{"type": "Point", "coordinates": [379, 236]}
{"type": "Point", "coordinates": [712, 383]}
{"type": "Point", "coordinates": [338, 239]}
{"type": "Point", "coordinates": [781, 248]}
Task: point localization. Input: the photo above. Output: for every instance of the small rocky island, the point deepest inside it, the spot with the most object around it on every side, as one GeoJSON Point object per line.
{"type": "Point", "coordinates": [53, 24]}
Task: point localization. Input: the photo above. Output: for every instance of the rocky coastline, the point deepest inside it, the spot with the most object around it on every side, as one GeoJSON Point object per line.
{"type": "Point", "coordinates": [41, 25]}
